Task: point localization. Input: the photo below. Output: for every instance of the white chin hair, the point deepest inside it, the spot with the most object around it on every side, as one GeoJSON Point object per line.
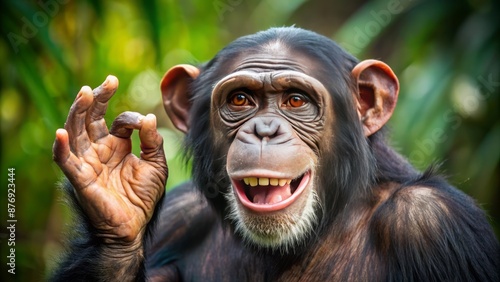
{"type": "Point", "coordinates": [277, 232]}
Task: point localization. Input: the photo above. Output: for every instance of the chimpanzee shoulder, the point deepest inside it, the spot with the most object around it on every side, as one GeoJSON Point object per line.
{"type": "Point", "coordinates": [428, 229]}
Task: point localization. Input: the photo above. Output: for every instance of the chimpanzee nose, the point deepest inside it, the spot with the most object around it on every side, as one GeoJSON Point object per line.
{"type": "Point", "coordinates": [266, 127]}
{"type": "Point", "coordinates": [270, 130]}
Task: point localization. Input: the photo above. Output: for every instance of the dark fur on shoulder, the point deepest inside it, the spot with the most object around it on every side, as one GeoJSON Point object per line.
{"type": "Point", "coordinates": [432, 234]}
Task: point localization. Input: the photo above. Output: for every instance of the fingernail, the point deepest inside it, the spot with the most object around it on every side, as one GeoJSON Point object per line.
{"type": "Point", "coordinates": [140, 119]}
{"type": "Point", "coordinates": [80, 93]}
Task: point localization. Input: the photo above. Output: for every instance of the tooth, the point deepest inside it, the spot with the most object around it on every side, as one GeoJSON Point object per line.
{"type": "Point", "coordinates": [253, 181]}
{"type": "Point", "coordinates": [246, 181]}
{"type": "Point", "coordinates": [282, 182]}
{"type": "Point", "coordinates": [288, 181]}
{"type": "Point", "coordinates": [274, 181]}
{"type": "Point", "coordinates": [263, 181]}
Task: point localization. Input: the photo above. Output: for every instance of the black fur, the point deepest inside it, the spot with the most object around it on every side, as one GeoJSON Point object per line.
{"type": "Point", "coordinates": [461, 247]}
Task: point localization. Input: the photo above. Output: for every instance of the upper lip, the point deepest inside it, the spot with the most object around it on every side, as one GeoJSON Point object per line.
{"type": "Point", "coordinates": [264, 173]}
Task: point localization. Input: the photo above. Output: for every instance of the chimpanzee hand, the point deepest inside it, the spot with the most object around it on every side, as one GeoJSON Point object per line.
{"type": "Point", "coordinates": [117, 190]}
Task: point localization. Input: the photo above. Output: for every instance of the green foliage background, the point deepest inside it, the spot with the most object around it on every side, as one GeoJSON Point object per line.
{"type": "Point", "coordinates": [446, 54]}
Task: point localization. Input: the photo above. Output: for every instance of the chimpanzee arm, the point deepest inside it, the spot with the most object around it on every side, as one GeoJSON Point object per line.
{"type": "Point", "coordinates": [430, 231]}
{"type": "Point", "coordinates": [88, 258]}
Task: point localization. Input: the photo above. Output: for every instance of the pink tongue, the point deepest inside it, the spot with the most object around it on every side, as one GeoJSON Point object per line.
{"type": "Point", "coordinates": [269, 194]}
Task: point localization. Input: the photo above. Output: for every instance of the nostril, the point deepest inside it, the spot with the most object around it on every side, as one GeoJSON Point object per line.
{"type": "Point", "coordinates": [266, 128]}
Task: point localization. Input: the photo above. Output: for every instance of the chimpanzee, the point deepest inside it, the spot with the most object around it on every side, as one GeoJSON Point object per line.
{"type": "Point", "coordinates": [292, 178]}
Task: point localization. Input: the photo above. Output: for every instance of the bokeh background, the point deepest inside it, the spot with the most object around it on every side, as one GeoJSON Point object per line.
{"type": "Point", "coordinates": [446, 54]}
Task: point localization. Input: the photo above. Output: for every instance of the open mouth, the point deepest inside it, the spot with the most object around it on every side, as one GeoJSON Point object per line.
{"type": "Point", "coordinates": [265, 194]}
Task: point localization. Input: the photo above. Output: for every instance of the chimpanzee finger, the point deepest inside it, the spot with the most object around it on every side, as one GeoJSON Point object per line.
{"type": "Point", "coordinates": [125, 123]}
{"type": "Point", "coordinates": [60, 149]}
{"type": "Point", "coordinates": [96, 125]}
{"type": "Point", "coordinates": [75, 123]}
{"type": "Point", "coordinates": [62, 155]}
{"type": "Point", "coordinates": [151, 140]}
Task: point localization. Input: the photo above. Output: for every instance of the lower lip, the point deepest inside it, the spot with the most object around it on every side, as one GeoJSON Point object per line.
{"type": "Point", "coordinates": [274, 207]}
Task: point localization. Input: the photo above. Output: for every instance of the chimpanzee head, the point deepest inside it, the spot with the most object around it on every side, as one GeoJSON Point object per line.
{"type": "Point", "coordinates": [277, 125]}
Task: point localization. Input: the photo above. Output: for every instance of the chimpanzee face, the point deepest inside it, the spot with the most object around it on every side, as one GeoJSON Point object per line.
{"type": "Point", "coordinates": [272, 115]}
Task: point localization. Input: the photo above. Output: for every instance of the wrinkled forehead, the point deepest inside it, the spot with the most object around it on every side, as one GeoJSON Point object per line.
{"type": "Point", "coordinates": [270, 81]}
{"type": "Point", "coordinates": [273, 56]}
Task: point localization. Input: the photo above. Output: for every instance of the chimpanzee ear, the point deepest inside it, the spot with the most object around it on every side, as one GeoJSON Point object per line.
{"type": "Point", "coordinates": [176, 96]}
{"type": "Point", "coordinates": [378, 89]}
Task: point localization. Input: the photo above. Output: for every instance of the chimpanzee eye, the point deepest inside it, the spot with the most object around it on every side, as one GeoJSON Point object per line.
{"type": "Point", "coordinates": [239, 99]}
{"type": "Point", "coordinates": [295, 101]}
